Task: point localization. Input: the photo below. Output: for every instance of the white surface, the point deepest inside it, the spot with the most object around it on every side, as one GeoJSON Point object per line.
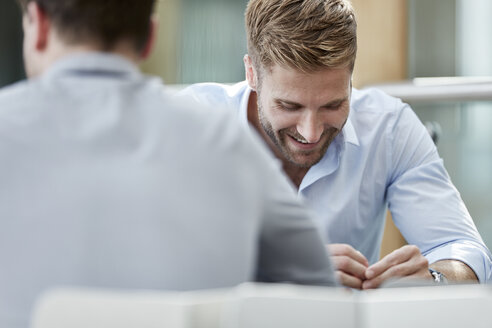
{"type": "Point", "coordinates": [443, 306]}
{"type": "Point", "coordinates": [290, 307]}
{"type": "Point", "coordinates": [83, 308]}
{"type": "Point", "coordinates": [268, 306]}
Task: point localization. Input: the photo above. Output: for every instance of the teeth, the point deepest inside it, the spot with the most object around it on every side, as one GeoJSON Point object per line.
{"type": "Point", "coordinates": [301, 141]}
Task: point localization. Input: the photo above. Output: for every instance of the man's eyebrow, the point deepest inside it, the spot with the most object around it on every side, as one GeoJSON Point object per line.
{"type": "Point", "coordinates": [335, 102]}
{"type": "Point", "coordinates": [295, 104]}
{"type": "Point", "coordinates": [287, 102]}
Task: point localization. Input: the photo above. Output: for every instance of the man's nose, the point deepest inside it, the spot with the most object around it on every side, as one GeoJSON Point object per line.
{"type": "Point", "coordinates": [310, 127]}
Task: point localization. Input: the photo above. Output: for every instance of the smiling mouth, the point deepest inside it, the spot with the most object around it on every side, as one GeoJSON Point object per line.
{"type": "Point", "coordinates": [301, 144]}
{"type": "Point", "coordinates": [302, 141]}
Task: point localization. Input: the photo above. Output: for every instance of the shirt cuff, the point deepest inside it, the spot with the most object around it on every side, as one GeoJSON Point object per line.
{"type": "Point", "coordinates": [472, 254]}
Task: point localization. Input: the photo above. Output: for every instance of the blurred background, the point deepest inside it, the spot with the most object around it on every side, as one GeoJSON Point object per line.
{"type": "Point", "coordinates": [11, 69]}
{"type": "Point", "coordinates": [204, 40]}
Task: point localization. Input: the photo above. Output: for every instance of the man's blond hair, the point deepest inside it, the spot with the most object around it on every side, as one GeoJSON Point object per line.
{"type": "Point", "coordinates": [306, 35]}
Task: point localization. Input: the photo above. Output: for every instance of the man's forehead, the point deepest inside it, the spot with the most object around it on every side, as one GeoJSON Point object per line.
{"type": "Point", "coordinates": [324, 75]}
{"type": "Point", "coordinates": [269, 69]}
{"type": "Point", "coordinates": [292, 85]}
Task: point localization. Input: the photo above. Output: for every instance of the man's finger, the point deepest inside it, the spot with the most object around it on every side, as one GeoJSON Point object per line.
{"type": "Point", "coordinates": [416, 267]}
{"type": "Point", "coordinates": [412, 269]}
{"type": "Point", "coordinates": [347, 250]}
{"type": "Point", "coordinates": [349, 266]}
{"type": "Point", "coordinates": [348, 280]}
{"type": "Point", "coordinates": [396, 257]}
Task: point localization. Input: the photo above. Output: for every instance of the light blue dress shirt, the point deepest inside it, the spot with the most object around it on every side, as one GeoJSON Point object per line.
{"type": "Point", "coordinates": [384, 158]}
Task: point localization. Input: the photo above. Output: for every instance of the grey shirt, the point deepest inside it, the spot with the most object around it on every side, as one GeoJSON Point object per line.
{"type": "Point", "coordinates": [108, 181]}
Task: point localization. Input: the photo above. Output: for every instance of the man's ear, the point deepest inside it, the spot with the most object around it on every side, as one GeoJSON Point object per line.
{"type": "Point", "coordinates": [250, 72]}
{"type": "Point", "coordinates": [39, 25]}
{"type": "Point", "coordinates": [149, 45]}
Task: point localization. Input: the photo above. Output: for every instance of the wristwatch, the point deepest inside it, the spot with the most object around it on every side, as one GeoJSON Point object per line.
{"type": "Point", "coordinates": [439, 277]}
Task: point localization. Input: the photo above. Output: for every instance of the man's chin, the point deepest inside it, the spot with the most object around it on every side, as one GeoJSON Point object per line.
{"type": "Point", "coordinates": [305, 158]}
{"type": "Point", "coordinates": [303, 161]}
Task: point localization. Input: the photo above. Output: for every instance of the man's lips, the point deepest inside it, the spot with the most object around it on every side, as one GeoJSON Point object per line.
{"type": "Point", "coordinates": [301, 144]}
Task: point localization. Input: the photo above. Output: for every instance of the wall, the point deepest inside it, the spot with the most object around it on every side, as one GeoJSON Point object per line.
{"type": "Point", "coordinates": [199, 41]}
{"type": "Point", "coordinates": [163, 60]}
{"type": "Point", "coordinates": [382, 41]}
{"type": "Point", "coordinates": [382, 57]}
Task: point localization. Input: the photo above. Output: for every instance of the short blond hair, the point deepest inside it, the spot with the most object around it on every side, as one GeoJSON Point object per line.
{"type": "Point", "coordinates": [307, 35]}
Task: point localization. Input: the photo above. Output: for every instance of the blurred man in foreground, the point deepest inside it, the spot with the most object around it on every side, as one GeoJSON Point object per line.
{"type": "Point", "coordinates": [108, 182]}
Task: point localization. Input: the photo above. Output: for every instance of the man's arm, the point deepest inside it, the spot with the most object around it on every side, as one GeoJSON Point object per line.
{"type": "Point", "coordinates": [455, 271]}
{"type": "Point", "coordinates": [408, 263]}
{"type": "Point", "coordinates": [405, 263]}
{"type": "Point", "coordinates": [425, 204]}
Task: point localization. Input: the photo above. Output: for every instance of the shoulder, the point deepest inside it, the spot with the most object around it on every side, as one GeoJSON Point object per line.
{"type": "Point", "coordinates": [18, 97]}
{"type": "Point", "coordinates": [208, 121]}
{"type": "Point", "coordinates": [216, 94]}
{"type": "Point", "coordinates": [375, 100]}
{"type": "Point", "coordinates": [214, 135]}
{"type": "Point", "coordinates": [376, 117]}
{"type": "Point", "coordinates": [13, 92]}
{"type": "Point", "coordinates": [373, 106]}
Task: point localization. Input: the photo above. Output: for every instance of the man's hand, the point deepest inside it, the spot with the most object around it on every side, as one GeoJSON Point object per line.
{"type": "Point", "coordinates": [405, 262]}
{"type": "Point", "coordinates": [350, 265]}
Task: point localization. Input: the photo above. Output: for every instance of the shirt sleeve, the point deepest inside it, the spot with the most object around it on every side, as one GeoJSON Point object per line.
{"type": "Point", "coordinates": [291, 247]}
{"type": "Point", "coordinates": [425, 205]}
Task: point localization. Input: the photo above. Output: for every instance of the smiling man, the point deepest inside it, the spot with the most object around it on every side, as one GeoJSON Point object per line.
{"type": "Point", "coordinates": [352, 154]}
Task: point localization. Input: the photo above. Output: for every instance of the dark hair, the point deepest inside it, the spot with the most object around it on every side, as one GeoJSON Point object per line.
{"type": "Point", "coordinates": [104, 21]}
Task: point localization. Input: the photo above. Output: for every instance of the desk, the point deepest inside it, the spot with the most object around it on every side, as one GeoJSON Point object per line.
{"type": "Point", "coordinates": [268, 306]}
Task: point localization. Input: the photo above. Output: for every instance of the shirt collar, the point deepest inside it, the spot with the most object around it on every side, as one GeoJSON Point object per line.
{"type": "Point", "coordinates": [348, 133]}
{"type": "Point", "coordinates": [93, 63]}
{"type": "Point", "coordinates": [243, 105]}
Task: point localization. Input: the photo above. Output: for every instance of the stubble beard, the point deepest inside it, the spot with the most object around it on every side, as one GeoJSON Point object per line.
{"type": "Point", "coordinates": [279, 140]}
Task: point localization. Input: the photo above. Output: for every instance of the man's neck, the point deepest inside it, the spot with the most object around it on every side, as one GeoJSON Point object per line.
{"type": "Point", "coordinates": [294, 172]}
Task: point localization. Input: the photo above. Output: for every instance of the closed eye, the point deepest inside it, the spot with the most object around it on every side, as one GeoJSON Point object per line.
{"type": "Point", "coordinates": [287, 106]}
{"type": "Point", "coordinates": [334, 106]}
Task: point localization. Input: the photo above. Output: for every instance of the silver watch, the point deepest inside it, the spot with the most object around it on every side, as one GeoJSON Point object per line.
{"type": "Point", "coordinates": [439, 277]}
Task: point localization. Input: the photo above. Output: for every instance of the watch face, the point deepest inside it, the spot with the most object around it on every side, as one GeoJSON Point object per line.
{"type": "Point", "coordinates": [439, 278]}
